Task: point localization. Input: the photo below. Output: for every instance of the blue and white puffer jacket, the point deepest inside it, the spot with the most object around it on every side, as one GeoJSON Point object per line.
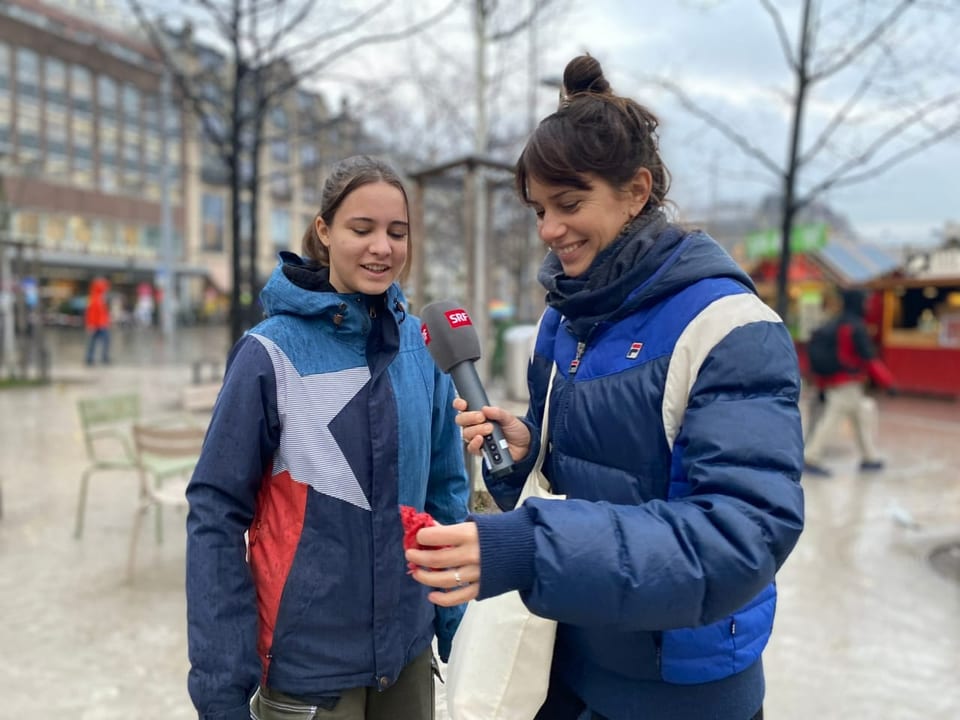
{"type": "Point", "coordinates": [675, 435]}
{"type": "Point", "coordinates": [327, 422]}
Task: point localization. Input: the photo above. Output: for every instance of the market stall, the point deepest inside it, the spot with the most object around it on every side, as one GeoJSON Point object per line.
{"type": "Point", "coordinates": [919, 334]}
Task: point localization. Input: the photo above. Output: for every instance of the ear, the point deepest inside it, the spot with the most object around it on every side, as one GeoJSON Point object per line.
{"type": "Point", "coordinates": [639, 189]}
{"type": "Point", "coordinates": [322, 230]}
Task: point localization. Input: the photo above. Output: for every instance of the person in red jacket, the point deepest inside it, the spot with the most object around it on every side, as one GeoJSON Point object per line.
{"type": "Point", "coordinates": [857, 363]}
{"type": "Point", "coordinates": [97, 321]}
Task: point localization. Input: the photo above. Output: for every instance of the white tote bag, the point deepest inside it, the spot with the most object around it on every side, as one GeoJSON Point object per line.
{"type": "Point", "coordinates": [499, 665]}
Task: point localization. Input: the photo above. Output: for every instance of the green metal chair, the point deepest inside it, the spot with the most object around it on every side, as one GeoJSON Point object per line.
{"type": "Point", "coordinates": [165, 455]}
{"type": "Point", "coordinates": [106, 423]}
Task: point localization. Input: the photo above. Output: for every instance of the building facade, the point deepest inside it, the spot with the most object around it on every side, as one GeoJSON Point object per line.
{"type": "Point", "coordinates": [87, 138]}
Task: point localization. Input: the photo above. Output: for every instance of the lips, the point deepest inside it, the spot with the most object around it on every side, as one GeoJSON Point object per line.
{"type": "Point", "coordinates": [569, 249]}
{"type": "Point", "coordinates": [376, 269]}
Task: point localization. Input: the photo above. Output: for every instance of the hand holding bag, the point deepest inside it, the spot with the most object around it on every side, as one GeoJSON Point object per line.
{"type": "Point", "coordinates": [499, 665]}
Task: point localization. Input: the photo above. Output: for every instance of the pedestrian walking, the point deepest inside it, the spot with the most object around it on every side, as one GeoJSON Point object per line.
{"type": "Point", "coordinates": [332, 415]}
{"type": "Point", "coordinates": [96, 320]}
{"type": "Point", "coordinates": [673, 431]}
{"type": "Point", "coordinates": [844, 360]}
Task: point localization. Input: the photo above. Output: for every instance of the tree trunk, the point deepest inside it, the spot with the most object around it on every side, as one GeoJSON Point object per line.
{"type": "Point", "coordinates": [790, 177]}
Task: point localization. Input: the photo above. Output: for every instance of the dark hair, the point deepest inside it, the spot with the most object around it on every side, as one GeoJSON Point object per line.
{"type": "Point", "coordinates": [594, 131]}
{"type": "Point", "coordinates": [345, 177]}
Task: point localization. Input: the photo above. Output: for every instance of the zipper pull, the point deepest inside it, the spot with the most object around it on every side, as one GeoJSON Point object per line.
{"type": "Point", "coordinates": [575, 363]}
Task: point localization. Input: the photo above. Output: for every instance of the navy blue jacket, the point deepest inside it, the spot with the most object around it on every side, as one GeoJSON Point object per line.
{"type": "Point", "coordinates": [675, 435]}
{"type": "Point", "coordinates": [326, 423]}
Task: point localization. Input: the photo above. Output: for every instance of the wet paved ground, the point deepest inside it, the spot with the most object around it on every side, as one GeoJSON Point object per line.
{"type": "Point", "coordinates": [866, 628]}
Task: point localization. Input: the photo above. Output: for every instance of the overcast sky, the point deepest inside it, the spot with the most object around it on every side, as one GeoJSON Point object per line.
{"type": "Point", "coordinates": [727, 53]}
{"type": "Point", "coordinates": [727, 56]}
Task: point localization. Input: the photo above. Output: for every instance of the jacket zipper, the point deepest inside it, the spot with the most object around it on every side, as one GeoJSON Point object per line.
{"type": "Point", "coordinates": [575, 363]}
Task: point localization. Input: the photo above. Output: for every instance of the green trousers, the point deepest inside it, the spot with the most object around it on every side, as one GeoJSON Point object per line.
{"type": "Point", "coordinates": [411, 697]}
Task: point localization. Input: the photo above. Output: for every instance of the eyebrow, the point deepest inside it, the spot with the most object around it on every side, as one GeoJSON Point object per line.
{"type": "Point", "coordinates": [371, 220]}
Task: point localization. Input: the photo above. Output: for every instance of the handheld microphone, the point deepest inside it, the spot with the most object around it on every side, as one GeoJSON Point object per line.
{"type": "Point", "coordinates": [453, 342]}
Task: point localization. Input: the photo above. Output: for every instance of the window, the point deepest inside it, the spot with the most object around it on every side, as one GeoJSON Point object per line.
{"type": "Point", "coordinates": [55, 231]}
{"type": "Point", "coordinates": [280, 228]}
{"type": "Point", "coordinates": [108, 140]}
{"type": "Point", "coordinates": [81, 89]}
{"type": "Point", "coordinates": [131, 104]}
{"type": "Point", "coordinates": [130, 236]}
{"type": "Point", "coordinates": [6, 112]}
{"type": "Point", "coordinates": [81, 232]}
{"type": "Point", "coordinates": [4, 66]}
{"type": "Point", "coordinates": [280, 152]}
{"type": "Point", "coordinates": [57, 161]}
{"type": "Point", "coordinates": [106, 95]}
{"type": "Point", "coordinates": [279, 118]}
{"type": "Point", "coordinates": [212, 221]}
{"type": "Point", "coordinates": [55, 80]}
{"type": "Point", "coordinates": [28, 73]}
{"type": "Point", "coordinates": [28, 129]}
{"type": "Point", "coordinates": [309, 157]}
{"type": "Point", "coordinates": [26, 225]}
{"type": "Point", "coordinates": [131, 162]}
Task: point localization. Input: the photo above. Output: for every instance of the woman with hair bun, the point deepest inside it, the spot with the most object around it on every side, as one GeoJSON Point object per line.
{"type": "Point", "coordinates": [674, 433]}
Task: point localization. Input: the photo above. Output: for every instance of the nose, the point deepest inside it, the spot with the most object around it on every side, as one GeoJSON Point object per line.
{"type": "Point", "coordinates": [550, 229]}
{"type": "Point", "coordinates": [380, 244]}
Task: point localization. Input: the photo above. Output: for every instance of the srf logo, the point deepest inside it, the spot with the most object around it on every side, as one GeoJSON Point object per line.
{"type": "Point", "coordinates": [425, 334]}
{"type": "Point", "coordinates": [458, 318]}
{"type": "Point", "coordinates": [635, 349]}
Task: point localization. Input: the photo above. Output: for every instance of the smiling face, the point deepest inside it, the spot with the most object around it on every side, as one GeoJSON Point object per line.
{"type": "Point", "coordinates": [367, 240]}
{"type": "Point", "coordinates": [577, 223]}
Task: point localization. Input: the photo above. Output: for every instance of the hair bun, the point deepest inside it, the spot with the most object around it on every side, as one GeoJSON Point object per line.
{"type": "Point", "coordinates": [584, 74]}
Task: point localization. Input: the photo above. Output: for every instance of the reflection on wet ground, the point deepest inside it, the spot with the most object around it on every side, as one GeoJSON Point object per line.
{"type": "Point", "coordinates": [867, 628]}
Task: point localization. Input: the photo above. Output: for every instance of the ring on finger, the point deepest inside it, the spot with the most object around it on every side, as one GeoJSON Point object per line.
{"type": "Point", "coordinates": [458, 580]}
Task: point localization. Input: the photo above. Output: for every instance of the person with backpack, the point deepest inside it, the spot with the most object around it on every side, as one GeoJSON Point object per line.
{"type": "Point", "coordinates": [843, 359]}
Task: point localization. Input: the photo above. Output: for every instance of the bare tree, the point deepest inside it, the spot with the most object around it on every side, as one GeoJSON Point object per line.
{"type": "Point", "coordinates": [268, 49]}
{"type": "Point", "coordinates": [871, 84]}
{"type": "Point", "coordinates": [472, 90]}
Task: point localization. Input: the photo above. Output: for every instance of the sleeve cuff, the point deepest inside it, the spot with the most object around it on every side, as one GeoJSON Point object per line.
{"type": "Point", "coordinates": [506, 552]}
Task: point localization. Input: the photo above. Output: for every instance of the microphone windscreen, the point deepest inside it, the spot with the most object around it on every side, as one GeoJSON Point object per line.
{"type": "Point", "coordinates": [449, 334]}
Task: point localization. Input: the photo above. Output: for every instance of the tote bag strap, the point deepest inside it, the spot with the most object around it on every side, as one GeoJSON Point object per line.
{"type": "Point", "coordinates": [538, 465]}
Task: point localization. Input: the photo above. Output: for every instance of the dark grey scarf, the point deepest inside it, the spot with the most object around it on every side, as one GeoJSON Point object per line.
{"type": "Point", "coordinates": [616, 271]}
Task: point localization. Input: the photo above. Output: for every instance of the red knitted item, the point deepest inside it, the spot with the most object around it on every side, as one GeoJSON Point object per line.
{"type": "Point", "coordinates": [412, 521]}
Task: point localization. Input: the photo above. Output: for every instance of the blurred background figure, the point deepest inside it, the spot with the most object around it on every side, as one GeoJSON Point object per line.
{"type": "Point", "coordinates": [143, 310]}
{"type": "Point", "coordinates": [96, 320]}
{"type": "Point", "coordinates": [843, 358]}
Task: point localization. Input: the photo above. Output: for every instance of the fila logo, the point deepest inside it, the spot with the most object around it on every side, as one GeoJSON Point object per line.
{"type": "Point", "coordinates": [635, 349]}
{"type": "Point", "coordinates": [425, 334]}
{"type": "Point", "coordinates": [458, 318]}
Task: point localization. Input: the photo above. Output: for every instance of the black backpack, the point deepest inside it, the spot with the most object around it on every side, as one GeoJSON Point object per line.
{"type": "Point", "coordinates": [822, 349]}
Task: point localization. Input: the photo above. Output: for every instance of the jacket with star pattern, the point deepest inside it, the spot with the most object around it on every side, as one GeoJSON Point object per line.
{"type": "Point", "coordinates": [332, 413]}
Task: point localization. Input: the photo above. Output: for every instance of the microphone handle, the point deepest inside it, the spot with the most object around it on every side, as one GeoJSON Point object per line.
{"type": "Point", "coordinates": [496, 454]}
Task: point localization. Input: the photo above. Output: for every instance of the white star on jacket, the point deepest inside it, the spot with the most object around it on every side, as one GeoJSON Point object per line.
{"type": "Point", "coordinates": [307, 406]}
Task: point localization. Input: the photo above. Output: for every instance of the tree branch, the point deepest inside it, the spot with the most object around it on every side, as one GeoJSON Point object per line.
{"type": "Point", "coordinates": [181, 79]}
{"type": "Point", "coordinates": [717, 124]}
{"type": "Point", "coordinates": [782, 36]}
{"type": "Point", "coordinates": [374, 39]}
{"type": "Point", "coordinates": [865, 42]}
{"type": "Point", "coordinates": [348, 27]}
{"type": "Point", "coordinates": [915, 149]}
{"type": "Point", "coordinates": [845, 175]}
{"type": "Point", "coordinates": [521, 24]}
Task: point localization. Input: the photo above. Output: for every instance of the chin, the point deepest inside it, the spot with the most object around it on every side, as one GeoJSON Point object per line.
{"type": "Point", "coordinates": [375, 288]}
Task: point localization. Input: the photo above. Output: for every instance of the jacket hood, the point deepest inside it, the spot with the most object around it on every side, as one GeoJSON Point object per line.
{"type": "Point", "coordinates": [281, 296]}
{"type": "Point", "coordinates": [661, 259]}
{"type": "Point", "coordinates": [99, 287]}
